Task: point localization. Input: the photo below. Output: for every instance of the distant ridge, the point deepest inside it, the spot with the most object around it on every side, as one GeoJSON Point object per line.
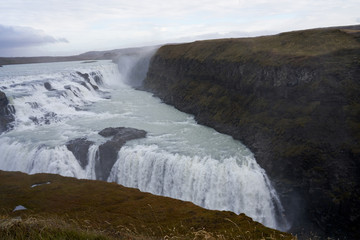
{"type": "Point", "coordinates": [92, 55]}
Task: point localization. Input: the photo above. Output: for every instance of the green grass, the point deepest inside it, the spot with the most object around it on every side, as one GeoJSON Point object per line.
{"type": "Point", "coordinates": [290, 47]}
{"type": "Point", "coordinates": [68, 208]}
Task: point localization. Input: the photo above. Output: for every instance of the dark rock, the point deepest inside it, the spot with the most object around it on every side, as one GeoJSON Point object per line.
{"type": "Point", "coordinates": [97, 77]}
{"type": "Point", "coordinates": [85, 85]}
{"type": "Point", "coordinates": [73, 89]}
{"type": "Point", "coordinates": [299, 115]}
{"type": "Point", "coordinates": [108, 151]}
{"type": "Point", "coordinates": [7, 112]}
{"type": "Point", "coordinates": [123, 133]}
{"type": "Point", "coordinates": [34, 119]}
{"type": "Point", "coordinates": [46, 119]}
{"type": "Point", "coordinates": [84, 75]}
{"type": "Point", "coordinates": [48, 86]}
{"type": "Point", "coordinates": [3, 100]}
{"type": "Point", "coordinates": [109, 132]}
{"type": "Point", "coordinates": [33, 105]}
{"type": "Point", "coordinates": [80, 147]}
{"type": "Point", "coordinates": [87, 79]}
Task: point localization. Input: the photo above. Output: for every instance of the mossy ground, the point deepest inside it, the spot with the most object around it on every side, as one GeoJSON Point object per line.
{"type": "Point", "coordinates": [275, 49]}
{"type": "Point", "coordinates": [68, 208]}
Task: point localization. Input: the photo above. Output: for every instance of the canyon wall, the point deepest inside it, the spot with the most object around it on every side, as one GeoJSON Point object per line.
{"type": "Point", "coordinates": [294, 100]}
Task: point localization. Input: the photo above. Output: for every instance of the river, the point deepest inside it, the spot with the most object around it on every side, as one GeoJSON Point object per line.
{"type": "Point", "coordinates": [179, 158]}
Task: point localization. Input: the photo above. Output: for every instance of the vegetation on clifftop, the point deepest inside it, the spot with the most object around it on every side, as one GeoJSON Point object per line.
{"type": "Point", "coordinates": [282, 48]}
{"type": "Point", "coordinates": [67, 208]}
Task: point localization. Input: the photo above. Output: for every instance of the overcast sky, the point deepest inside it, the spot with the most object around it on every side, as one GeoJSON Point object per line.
{"type": "Point", "coordinates": [64, 27]}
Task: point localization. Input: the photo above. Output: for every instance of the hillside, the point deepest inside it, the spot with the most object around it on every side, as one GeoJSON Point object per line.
{"type": "Point", "coordinates": [66, 208]}
{"type": "Point", "coordinates": [293, 99]}
{"type": "Point", "coordinates": [93, 55]}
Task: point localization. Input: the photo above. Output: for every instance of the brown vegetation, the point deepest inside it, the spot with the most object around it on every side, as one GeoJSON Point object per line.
{"type": "Point", "coordinates": [67, 208]}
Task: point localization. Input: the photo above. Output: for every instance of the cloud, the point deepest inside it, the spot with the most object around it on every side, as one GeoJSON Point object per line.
{"type": "Point", "coordinates": [23, 37]}
{"type": "Point", "coordinates": [98, 25]}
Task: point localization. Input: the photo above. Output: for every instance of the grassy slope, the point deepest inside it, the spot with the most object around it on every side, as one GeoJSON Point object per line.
{"type": "Point", "coordinates": [282, 48]}
{"type": "Point", "coordinates": [68, 208]}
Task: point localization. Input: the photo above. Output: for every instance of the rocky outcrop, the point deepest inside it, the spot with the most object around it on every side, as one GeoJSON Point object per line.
{"type": "Point", "coordinates": [85, 76]}
{"type": "Point", "coordinates": [80, 148]}
{"type": "Point", "coordinates": [6, 113]}
{"type": "Point", "coordinates": [109, 150]}
{"type": "Point", "coordinates": [107, 153]}
{"type": "Point", "coordinates": [293, 99]}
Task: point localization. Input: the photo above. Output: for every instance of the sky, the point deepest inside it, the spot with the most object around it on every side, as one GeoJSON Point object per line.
{"type": "Point", "coordinates": [68, 27]}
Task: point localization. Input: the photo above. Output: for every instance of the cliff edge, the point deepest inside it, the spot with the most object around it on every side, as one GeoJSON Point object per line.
{"type": "Point", "coordinates": [48, 206]}
{"type": "Point", "coordinates": [293, 99]}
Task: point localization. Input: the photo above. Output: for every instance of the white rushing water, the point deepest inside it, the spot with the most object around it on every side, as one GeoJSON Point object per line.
{"type": "Point", "coordinates": [178, 158]}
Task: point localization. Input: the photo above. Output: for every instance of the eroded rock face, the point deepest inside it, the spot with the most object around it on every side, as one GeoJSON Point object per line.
{"type": "Point", "coordinates": [109, 150]}
{"type": "Point", "coordinates": [107, 153]}
{"type": "Point", "coordinates": [80, 148]}
{"type": "Point", "coordinates": [6, 113]}
{"type": "Point", "coordinates": [298, 115]}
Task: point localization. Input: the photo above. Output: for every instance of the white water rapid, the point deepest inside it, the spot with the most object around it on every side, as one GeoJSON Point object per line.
{"type": "Point", "coordinates": [57, 102]}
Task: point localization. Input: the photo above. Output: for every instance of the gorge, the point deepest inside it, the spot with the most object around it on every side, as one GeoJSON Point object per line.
{"type": "Point", "coordinates": [293, 99]}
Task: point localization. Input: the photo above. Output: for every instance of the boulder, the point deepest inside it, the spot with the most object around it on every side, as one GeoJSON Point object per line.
{"type": "Point", "coordinates": [108, 151]}
{"type": "Point", "coordinates": [48, 86]}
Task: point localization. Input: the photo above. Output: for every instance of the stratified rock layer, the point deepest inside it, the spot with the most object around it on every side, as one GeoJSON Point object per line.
{"type": "Point", "coordinates": [294, 100]}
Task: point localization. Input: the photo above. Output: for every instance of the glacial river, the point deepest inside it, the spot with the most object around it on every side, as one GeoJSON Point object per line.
{"type": "Point", "coordinates": [178, 158]}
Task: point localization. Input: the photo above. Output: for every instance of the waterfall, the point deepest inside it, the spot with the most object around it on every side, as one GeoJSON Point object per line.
{"type": "Point", "coordinates": [233, 184]}
{"type": "Point", "coordinates": [133, 66]}
{"type": "Point", "coordinates": [59, 102]}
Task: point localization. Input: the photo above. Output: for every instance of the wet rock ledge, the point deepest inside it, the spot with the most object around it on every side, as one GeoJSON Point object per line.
{"type": "Point", "coordinates": [6, 113]}
{"type": "Point", "coordinates": [108, 151]}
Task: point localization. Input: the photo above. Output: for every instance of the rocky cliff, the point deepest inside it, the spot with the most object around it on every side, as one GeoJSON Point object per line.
{"type": "Point", "coordinates": [6, 110]}
{"type": "Point", "coordinates": [294, 100]}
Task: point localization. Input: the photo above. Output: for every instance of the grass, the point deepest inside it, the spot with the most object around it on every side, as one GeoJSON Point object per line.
{"type": "Point", "coordinates": [68, 208]}
{"type": "Point", "coordinates": [282, 48]}
{"type": "Point", "coordinates": [44, 228]}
